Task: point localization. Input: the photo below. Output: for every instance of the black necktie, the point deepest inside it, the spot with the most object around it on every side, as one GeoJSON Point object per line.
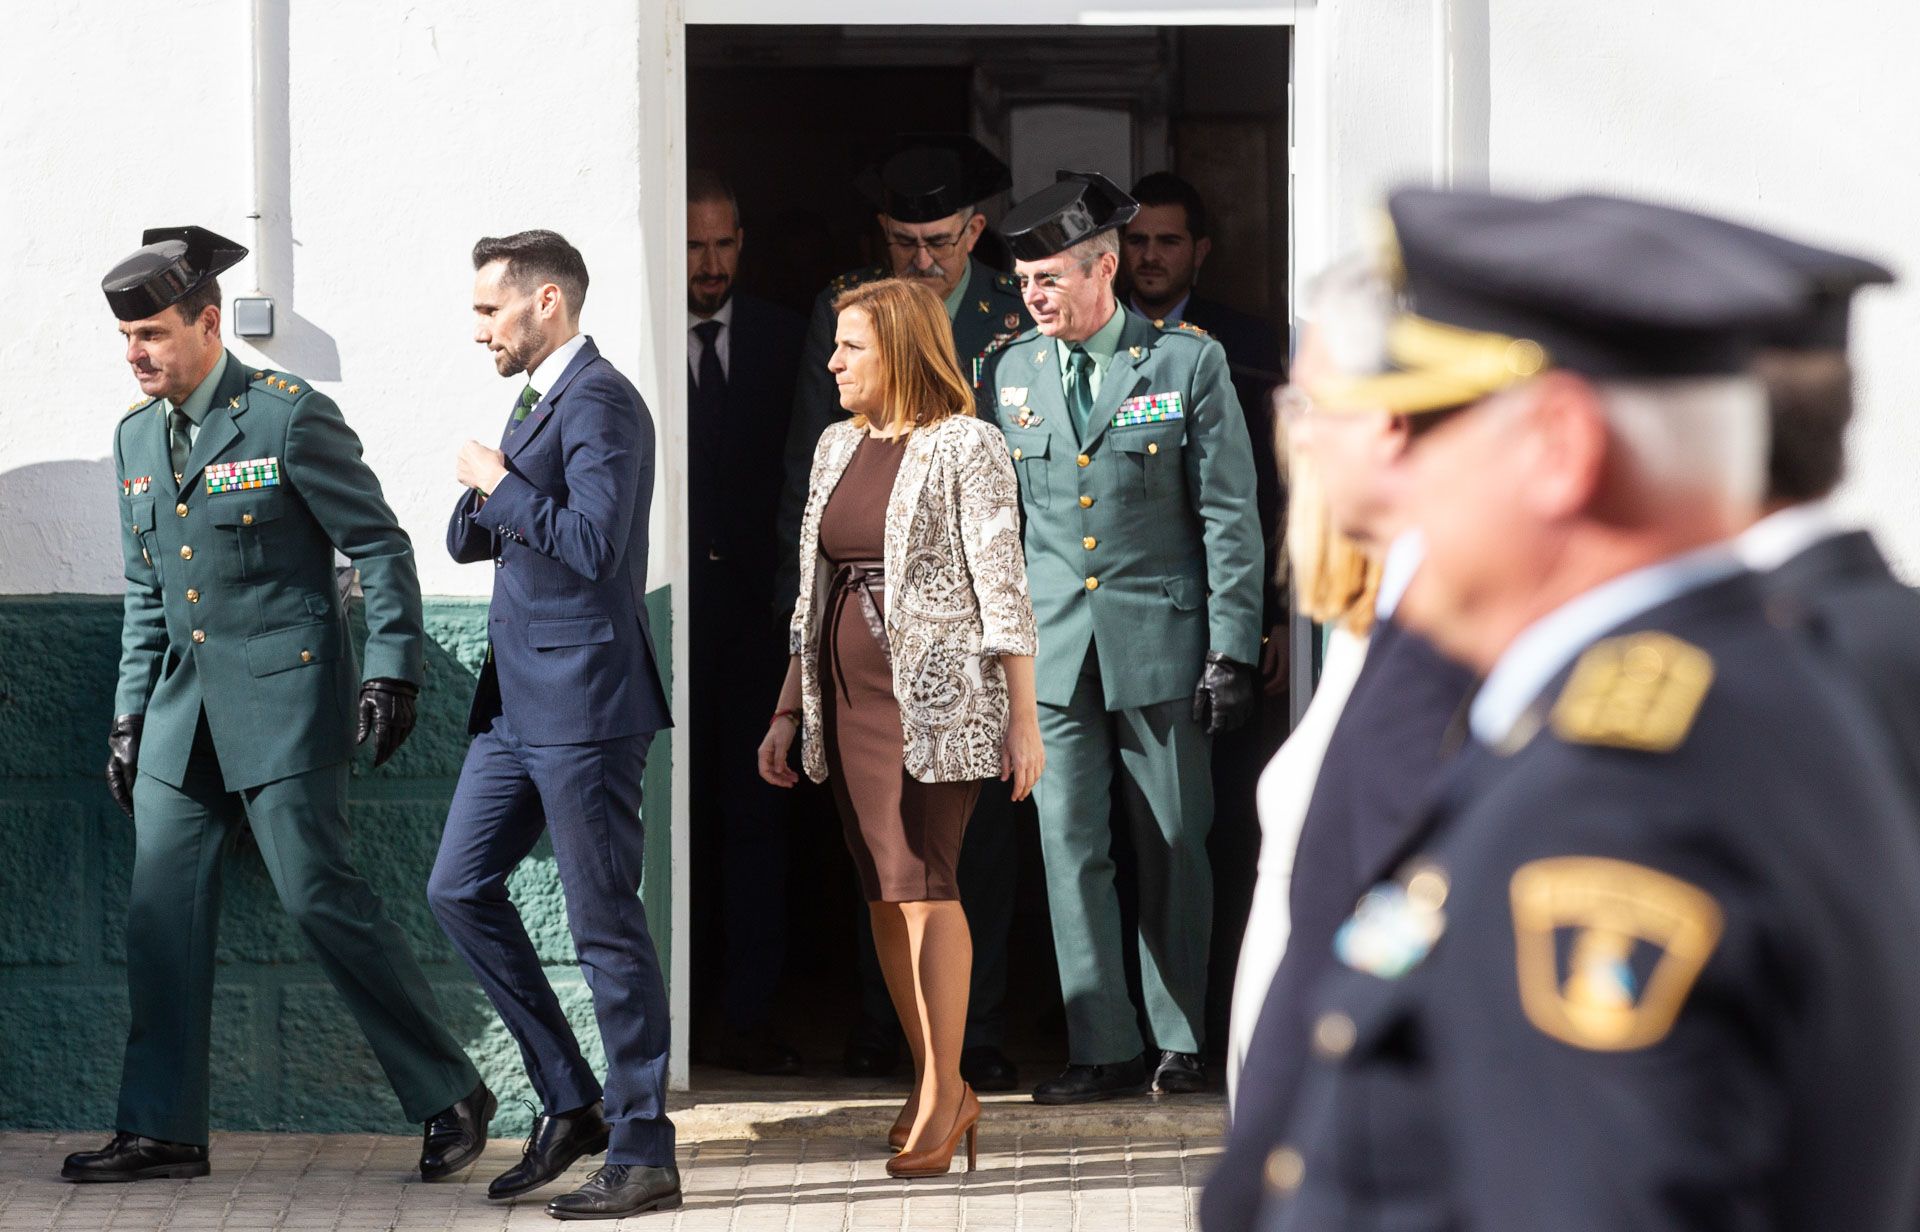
{"type": "Point", "coordinates": [710, 380]}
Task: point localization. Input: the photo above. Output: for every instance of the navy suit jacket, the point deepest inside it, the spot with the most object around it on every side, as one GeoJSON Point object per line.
{"type": "Point", "coordinates": [569, 657]}
{"type": "Point", "coordinates": [735, 461]}
{"type": "Point", "coordinates": [1862, 620]}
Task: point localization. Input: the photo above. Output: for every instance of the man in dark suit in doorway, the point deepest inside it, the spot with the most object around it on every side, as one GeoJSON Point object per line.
{"type": "Point", "coordinates": [742, 357]}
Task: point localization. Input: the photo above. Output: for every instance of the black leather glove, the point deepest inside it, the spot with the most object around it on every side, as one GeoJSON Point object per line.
{"type": "Point", "coordinates": [1226, 695]}
{"type": "Point", "coordinates": [387, 710]}
{"type": "Point", "coordinates": [123, 758]}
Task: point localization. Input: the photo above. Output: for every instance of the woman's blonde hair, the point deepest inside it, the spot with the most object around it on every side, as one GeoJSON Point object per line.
{"type": "Point", "coordinates": [920, 377]}
{"type": "Point", "coordinates": [1334, 580]}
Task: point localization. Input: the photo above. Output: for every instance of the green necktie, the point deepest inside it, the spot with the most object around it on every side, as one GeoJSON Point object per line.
{"type": "Point", "coordinates": [180, 442]}
{"type": "Point", "coordinates": [1080, 389]}
{"type": "Point", "coordinates": [528, 397]}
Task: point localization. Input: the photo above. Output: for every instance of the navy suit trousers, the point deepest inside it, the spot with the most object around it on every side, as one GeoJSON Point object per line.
{"type": "Point", "coordinates": [587, 796]}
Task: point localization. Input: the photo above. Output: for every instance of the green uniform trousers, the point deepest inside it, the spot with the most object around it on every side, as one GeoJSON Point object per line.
{"type": "Point", "coordinates": [1168, 793]}
{"type": "Point", "coordinates": [299, 823]}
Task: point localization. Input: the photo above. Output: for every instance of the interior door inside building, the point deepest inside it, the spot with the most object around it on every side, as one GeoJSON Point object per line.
{"type": "Point", "coordinates": [788, 117]}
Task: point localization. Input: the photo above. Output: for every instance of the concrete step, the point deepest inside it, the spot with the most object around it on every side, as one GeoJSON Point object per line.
{"type": "Point", "coordinates": [722, 1105]}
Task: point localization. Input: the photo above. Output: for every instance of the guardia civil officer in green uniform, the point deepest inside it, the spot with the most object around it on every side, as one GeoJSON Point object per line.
{"type": "Point", "coordinates": [1144, 557]}
{"type": "Point", "coordinates": [926, 197]}
{"type": "Point", "coordinates": [237, 704]}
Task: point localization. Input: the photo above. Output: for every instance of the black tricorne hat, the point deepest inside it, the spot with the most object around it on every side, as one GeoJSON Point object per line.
{"type": "Point", "coordinates": [930, 176]}
{"type": "Point", "coordinates": [1498, 288]}
{"type": "Point", "coordinates": [1076, 206]}
{"type": "Point", "coordinates": [171, 264]}
{"type": "Point", "coordinates": [1829, 278]}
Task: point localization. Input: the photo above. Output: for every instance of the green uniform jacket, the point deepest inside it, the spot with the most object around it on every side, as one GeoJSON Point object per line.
{"type": "Point", "coordinates": [231, 601]}
{"type": "Point", "coordinates": [990, 312]}
{"type": "Point", "coordinates": [1143, 540]}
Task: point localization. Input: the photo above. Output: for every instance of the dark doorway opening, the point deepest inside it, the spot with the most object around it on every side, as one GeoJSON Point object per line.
{"type": "Point", "coordinates": [789, 116]}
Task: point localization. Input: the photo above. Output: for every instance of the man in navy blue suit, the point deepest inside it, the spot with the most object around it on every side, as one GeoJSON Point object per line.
{"type": "Point", "coordinates": [568, 701]}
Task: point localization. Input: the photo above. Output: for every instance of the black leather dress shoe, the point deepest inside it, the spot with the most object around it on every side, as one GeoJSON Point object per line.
{"type": "Point", "coordinates": [1083, 1084]}
{"type": "Point", "coordinates": [557, 1141]}
{"type": "Point", "coordinates": [455, 1137]}
{"type": "Point", "coordinates": [620, 1189]}
{"type": "Point", "coordinates": [129, 1157]}
{"type": "Point", "coordinates": [987, 1069]}
{"type": "Point", "coordinates": [1179, 1073]}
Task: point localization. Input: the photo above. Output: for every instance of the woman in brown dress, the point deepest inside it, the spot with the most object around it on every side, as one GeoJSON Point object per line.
{"type": "Point", "coordinates": [912, 671]}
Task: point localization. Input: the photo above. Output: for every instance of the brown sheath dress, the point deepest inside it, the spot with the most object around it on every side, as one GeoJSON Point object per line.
{"type": "Point", "coordinates": [904, 835]}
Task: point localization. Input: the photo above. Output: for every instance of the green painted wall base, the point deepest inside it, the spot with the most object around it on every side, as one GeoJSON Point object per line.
{"type": "Point", "coordinates": [286, 1055]}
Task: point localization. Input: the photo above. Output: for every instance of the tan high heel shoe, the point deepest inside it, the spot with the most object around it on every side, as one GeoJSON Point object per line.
{"type": "Point", "coordinates": [901, 1131]}
{"type": "Point", "coordinates": [938, 1160]}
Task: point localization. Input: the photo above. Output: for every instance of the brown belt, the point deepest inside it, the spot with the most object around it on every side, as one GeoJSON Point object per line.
{"type": "Point", "coordinates": [862, 577]}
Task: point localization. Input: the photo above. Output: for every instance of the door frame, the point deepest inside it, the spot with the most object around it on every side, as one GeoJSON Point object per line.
{"type": "Point", "coordinates": [1381, 95]}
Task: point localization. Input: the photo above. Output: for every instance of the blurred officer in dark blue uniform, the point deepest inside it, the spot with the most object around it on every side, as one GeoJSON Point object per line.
{"type": "Point", "coordinates": [1825, 578]}
{"type": "Point", "coordinates": [1387, 748]}
{"type": "Point", "coordinates": [1648, 962]}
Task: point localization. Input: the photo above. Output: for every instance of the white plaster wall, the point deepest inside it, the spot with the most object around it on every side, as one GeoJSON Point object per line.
{"type": "Point", "coordinates": [1794, 117]}
{"type": "Point", "coordinates": [413, 129]}
{"type": "Point", "coordinates": [92, 128]}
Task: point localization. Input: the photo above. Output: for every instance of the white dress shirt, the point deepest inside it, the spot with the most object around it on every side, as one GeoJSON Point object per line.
{"type": "Point", "coordinates": [722, 344]}
{"type": "Point", "coordinates": [1784, 534]}
{"type": "Point", "coordinates": [543, 377]}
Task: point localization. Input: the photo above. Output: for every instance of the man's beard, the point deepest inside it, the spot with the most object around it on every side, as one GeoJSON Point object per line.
{"type": "Point", "coordinates": [706, 303]}
{"type": "Point", "coordinates": [512, 357]}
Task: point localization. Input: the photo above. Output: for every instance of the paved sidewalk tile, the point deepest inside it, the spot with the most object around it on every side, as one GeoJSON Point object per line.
{"type": "Point", "coordinates": [358, 1183]}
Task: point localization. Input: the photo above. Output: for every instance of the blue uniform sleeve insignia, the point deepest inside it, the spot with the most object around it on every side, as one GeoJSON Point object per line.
{"type": "Point", "coordinates": [1640, 691]}
{"type": "Point", "coordinates": [1608, 951]}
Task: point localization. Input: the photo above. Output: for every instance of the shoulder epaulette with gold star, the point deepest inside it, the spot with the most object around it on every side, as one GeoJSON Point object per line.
{"type": "Point", "coordinates": [1007, 283]}
{"type": "Point", "coordinates": [853, 278]}
{"type": "Point", "coordinates": [1188, 326]}
{"type": "Point", "coordinates": [136, 406]}
{"type": "Point", "coordinates": [1638, 691]}
{"type": "Point", "coordinates": [286, 385]}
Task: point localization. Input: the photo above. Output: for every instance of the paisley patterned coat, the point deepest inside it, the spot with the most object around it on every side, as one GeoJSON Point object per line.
{"type": "Point", "coordinates": [956, 596]}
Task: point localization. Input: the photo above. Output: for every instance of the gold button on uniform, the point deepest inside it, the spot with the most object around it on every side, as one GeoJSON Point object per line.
{"type": "Point", "coordinates": [1153, 446]}
{"type": "Point", "coordinates": [306, 656]}
{"type": "Point", "coordinates": [193, 596]}
{"type": "Point", "coordinates": [1333, 1035]}
{"type": "Point", "coordinates": [1089, 543]}
{"type": "Point", "coordinates": [1016, 455]}
{"type": "Point", "coordinates": [199, 635]}
{"type": "Point", "coordinates": [186, 553]}
{"type": "Point", "coordinates": [1285, 1170]}
{"type": "Point", "coordinates": [1093, 583]}
{"type": "Point", "coordinates": [181, 509]}
{"type": "Point", "coordinates": [246, 519]}
{"type": "Point", "coordinates": [1086, 502]}
{"type": "Point", "coordinates": [1083, 459]}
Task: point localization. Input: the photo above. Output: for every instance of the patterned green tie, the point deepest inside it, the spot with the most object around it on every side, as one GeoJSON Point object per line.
{"type": "Point", "coordinates": [528, 397]}
{"type": "Point", "coordinates": [1080, 389]}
